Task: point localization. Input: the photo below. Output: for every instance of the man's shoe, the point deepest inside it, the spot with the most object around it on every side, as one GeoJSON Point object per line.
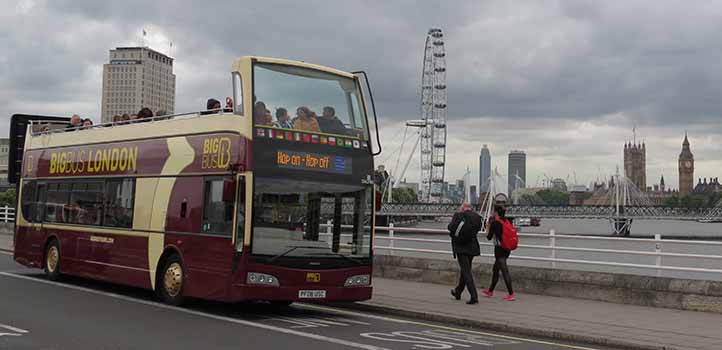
{"type": "Point", "coordinates": [472, 302]}
{"type": "Point", "coordinates": [510, 297]}
{"type": "Point", "coordinates": [455, 295]}
{"type": "Point", "coordinates": [488, 293]}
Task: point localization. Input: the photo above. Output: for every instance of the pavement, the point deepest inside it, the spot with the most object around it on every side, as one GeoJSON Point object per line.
{"type": "Point", "coordinates": [608, 324]}
{"type": "Point", "coordinates": [6, 243]}
{"type": "Point", "coordinates": [80, 314]}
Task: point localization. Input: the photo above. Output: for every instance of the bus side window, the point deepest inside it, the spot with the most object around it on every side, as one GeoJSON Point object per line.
{"type": "Point", "coordinates": [217, 207]}
{"type": "Point", "coordinates": [57, 202]}
{"type": "Point", "coordinates": [119, 203]}
{"type": "Point", "coordinates": [29, 202]}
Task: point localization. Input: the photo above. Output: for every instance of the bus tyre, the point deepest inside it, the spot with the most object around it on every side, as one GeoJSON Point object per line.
{"type": "Point", "coordinates": [169, 286]}
{"type": "Point", "coordinates": [51, 263]}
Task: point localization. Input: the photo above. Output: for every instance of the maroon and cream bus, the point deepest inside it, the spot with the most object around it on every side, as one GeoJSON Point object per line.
{"type": "Point", "coordinates": [223, 205]}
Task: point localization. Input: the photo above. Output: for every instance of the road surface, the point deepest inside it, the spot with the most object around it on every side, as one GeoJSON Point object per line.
{"type": "Point", "coordinates": [80, 314]}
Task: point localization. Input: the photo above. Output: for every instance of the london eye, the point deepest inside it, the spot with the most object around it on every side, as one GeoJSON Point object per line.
{"type": "Point", "coordinates": [433, 116]}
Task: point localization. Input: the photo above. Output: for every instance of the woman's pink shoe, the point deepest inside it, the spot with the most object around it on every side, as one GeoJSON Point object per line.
{"type": "Point", "coordinates": [488, 293]}
{"type": "Point", "coordinates": [510, 297]}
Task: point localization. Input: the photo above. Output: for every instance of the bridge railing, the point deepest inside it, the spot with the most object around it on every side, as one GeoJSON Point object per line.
{"type": "Point", "coordinates": [7, 214]}
{"type": "Point", "coordinates": [657, 257]}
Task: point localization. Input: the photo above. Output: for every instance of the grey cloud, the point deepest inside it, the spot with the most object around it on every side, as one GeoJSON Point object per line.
{"type": "Point", "coordinates": [527, 68]}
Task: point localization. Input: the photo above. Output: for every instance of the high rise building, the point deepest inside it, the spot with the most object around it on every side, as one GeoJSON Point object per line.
{"type": "Point", "coordinates": [137, 77]}
{"type": "Point", "coordinates": [635, 164]}
{"type": "Point", "coordinates": [484, 169]}
{"type": "Point", "coordinates": [686, 169]}
{"type": "Point", "coordinates": [517, 171]}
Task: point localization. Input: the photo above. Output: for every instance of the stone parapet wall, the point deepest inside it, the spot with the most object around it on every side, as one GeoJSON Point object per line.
{"type": "Point", "coordinates": [695, 295]}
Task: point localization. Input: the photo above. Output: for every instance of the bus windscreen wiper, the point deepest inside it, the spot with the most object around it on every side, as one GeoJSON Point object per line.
{"type": "Point", "coordinates": [342, 256]}
{"type": "Point", "coordinates": [292, 249]}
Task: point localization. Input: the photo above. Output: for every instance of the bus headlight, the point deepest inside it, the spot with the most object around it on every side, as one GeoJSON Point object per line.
{"type": "Point", "coordinates": [262, 278]}
{"type": "Point", "coordinates": [358, 280]}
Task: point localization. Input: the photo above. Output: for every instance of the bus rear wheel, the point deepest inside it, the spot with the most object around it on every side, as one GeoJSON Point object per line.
{"type": "Point", "coordinates": [51, 265]}
{"type": "Point", "coordinates": [169, 286]}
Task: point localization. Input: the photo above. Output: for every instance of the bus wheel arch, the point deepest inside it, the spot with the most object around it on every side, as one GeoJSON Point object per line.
{"type": "Point", "coordinates": [170, 277]}
{"type": "Point", "coordinates": [51, 257]}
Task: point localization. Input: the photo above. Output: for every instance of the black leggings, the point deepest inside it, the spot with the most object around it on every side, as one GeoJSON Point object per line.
{"type": "Point", "coordinates": [501, 255]}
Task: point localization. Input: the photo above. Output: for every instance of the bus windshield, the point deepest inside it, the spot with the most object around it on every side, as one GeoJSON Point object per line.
{"type": "Point", "coordinates": [307, 219]}
{"type": "Point", "coordinates": [307, 100]}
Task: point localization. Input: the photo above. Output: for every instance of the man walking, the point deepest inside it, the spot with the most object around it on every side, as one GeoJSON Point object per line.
{"type": "Point", "coordinates": [463, 229]}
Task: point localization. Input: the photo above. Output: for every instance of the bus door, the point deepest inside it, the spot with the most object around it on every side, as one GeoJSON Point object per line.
{"type": "Point", "coordinates": [32, 206]}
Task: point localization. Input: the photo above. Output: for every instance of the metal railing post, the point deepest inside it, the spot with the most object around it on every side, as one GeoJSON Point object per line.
{"type": "Point", "coordinates": [553, 245]}
{"type": "Point", "coordinates": [329, 230]}
{"type": "Point", "coordinates": [658, 250]}
{"type": "Point", "coordinates": [391, 238]}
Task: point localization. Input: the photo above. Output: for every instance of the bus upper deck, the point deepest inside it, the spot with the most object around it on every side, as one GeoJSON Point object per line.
{"type": "Point", "coordinates": [216, 204]}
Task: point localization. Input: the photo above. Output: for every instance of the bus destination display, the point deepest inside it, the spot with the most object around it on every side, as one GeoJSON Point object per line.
{"type": "Point", "coordinates": [313, 161]}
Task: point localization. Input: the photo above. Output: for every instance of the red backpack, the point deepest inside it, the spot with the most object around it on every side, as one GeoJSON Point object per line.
{"type": "Point", "coordinates": [509, 237]}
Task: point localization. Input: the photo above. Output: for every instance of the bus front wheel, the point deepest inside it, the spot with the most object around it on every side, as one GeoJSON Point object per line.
{"type": "Point", "coordinates": [170, 282]}
{"type": "Point", "coordinates": [52, 260]}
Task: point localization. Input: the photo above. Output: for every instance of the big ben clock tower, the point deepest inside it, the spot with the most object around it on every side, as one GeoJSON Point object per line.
{"type": "Point", "coordinates": [686, 169]}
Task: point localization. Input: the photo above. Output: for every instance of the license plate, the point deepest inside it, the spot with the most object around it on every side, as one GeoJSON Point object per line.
{"type": "Point", "coordinates": [311, 294]}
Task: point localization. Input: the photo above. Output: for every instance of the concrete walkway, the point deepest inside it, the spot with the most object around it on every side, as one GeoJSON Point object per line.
{"type": "Point", "coordinates": [616, 325]}
{"type": "Point", "coordinates": [6, 243]}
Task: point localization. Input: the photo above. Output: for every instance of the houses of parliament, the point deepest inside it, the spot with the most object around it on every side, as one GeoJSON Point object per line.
{"type": "Point", "coordinates": [635, 169]}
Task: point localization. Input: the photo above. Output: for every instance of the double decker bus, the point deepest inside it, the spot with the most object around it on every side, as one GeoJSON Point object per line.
{"type": "Point", "coordinates": [220, 204]}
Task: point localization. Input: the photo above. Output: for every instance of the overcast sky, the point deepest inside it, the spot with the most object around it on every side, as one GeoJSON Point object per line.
{"type": "Point", "coordinates": [565, 81]}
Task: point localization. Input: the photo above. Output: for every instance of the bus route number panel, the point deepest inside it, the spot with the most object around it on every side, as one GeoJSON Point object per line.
{"type": "Point", "coordinates": [299, 160]}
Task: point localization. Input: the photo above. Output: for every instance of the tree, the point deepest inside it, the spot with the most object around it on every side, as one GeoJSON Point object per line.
{"type": "Point", "coordinates": [7, 198]}
{"type": "Point", "coordinates": [404, 195]}
{"type": "Point", "coordinates": [553, 197]}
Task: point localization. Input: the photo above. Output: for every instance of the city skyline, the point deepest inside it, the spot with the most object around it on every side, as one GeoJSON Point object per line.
{"type": "Point", "coordinates": [532, 93]}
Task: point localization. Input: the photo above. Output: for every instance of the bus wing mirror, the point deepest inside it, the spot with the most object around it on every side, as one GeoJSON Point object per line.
{"type": "Point", "coordinates": [373, 109]}
{"type": "Point", "coordinates": [229, 190]}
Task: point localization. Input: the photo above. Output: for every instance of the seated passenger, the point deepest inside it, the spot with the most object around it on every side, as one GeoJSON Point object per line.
{"type": "Point", "coordinates": [212, 106]}
{"type": "Point", "coordinates": [229, 105]}
{"type": "Point", "coordinates": [87, 123]}
{"type": "Point", "coordinates": [75, 123]}
{"type": "Point", "coordinates": [145, 115]}
{"type": "Point", "coordinates": [261, 115]}
{"type": "Point", "coordinates": [117, 119]}
{"type": "Point", "coordinates": [330, 123]}
{"type": "Point", "coordinates": [284, 120]}
{"type": "Point", "coordinates": [305, 121]}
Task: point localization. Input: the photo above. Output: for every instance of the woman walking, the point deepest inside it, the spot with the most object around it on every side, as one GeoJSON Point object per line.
{"type": "Point", "coordinates": [496, 232]}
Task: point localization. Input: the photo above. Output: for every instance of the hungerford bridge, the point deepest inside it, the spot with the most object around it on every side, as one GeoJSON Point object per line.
{"type": "Point", "coordinates": [621, 202]}
{"type": "Point", "coordinates": [561, 212]}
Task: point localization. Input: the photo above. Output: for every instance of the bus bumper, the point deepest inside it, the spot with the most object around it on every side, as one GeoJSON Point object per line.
{"type": "Point", "coordinates": [300, 294]}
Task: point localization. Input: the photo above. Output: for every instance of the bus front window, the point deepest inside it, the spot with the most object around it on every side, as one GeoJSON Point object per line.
{"type": "Point", "coordinates": [308, 100]}
{"type": "Point", "coordinates": [307, 219]}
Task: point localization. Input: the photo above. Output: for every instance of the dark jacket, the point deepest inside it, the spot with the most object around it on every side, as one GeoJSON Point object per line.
{"type": "Point", "coordinates": [332, 126]}
{"type": "Point", "coordinates": [463, 229]}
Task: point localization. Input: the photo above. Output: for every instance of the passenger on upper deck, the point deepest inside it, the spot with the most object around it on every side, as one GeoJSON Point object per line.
{"type": "Point", "coordinates": [229, 105]}
{"type": "Point", "coordinates": [260, 115]}
{"type": "Point", "coordinates": [284, 120]}
{"type": "Point", "coordinates": [212, 106]}
{"type": "Point", "coordinates": [145, 115]}
{"type": "Point", "coordinates": [87, 123]}
{"type": "Point", "coordinates": [330, 123]}
{"type": "Point", "coordinates": [305, 120]}
{"type": "Point", "coordinates": [75, 123]}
